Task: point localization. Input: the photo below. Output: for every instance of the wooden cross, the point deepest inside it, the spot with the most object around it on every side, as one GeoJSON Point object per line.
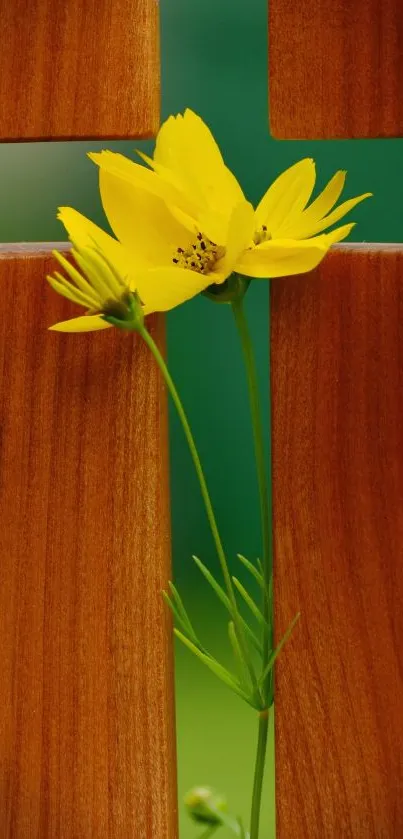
{"type": "Point", "coordinates": [87, 731]}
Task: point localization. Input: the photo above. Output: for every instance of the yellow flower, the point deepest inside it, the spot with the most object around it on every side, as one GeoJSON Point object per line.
{"type": "Point", "coordinates": [97, 285]}
{"type": "Point", "coordinates": [166, 259]}
{"type": "Point", "coordinates": [189, 175]}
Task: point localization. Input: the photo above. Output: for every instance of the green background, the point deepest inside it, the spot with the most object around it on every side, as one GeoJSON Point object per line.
{"type": "Point", "coordinates": [214, 59]}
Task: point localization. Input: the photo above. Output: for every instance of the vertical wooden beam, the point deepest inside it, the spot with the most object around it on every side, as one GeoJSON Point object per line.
{"type": "Point", "coordinates": [337, 381]}
{"type": "Point", "coordinates": [79, 69]}
{"type": "Point", "coordinates": [335, 68]}
{"type": "Point", "coordinates": [86, 729]}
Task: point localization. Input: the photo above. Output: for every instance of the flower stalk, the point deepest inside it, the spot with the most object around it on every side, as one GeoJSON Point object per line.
{"type": "Point", "coordinates": [147, 338]}
{"type": "Point", "coordinates": [265, 504]}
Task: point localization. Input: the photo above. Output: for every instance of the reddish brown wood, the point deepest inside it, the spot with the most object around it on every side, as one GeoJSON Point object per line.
{"type": "Point", "coordinates": [78, 69]}
{"type": "Point", "coordinates": [86, 726]}
{"type": "Point", "coordinates": [337, 381]}
{"type": "Point", "coordinates": [336, 68]}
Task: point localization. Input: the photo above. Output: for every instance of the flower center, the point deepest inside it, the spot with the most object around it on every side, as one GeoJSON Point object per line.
{"type": "Point", "coordinates": [261, 235]}
{"type": "Point", "coordinates": [201, 256]}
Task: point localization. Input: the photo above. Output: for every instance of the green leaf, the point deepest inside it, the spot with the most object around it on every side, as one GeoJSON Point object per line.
{"type": "Point", "coordinates": [216, 668]}
{"type": "Point", "coordinates": [223, 597]}
{"type": "Point", "coordinates": [174, 610]}
{"type": "Point", "coordinates": [269, 599]}
{"type": "Point", "coordinates": [249, 602]}
{"type": "Point", "coordinates": [239, 658]}
{"type": "Point", "coordinates": [242, 831]}
{"type": "Point", "coordinates": [278, 649]}
{"type": "Point", "coordinates": [213, 582]}
{"type": "Point", "coordinates": [184, 615]}
{"type": "Point", "coordinates": [210, 831]}
{"type": "Point", "coordinates": [253, 570]}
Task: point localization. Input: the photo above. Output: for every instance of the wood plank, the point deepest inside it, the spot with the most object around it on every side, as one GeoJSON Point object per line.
{"type": "Point", "coordinates": [79, 69]}
{"type": "Point", "coordinates": [86, 690]}
{"type": "Point", "coordinates": [336, 68]}
{"type": "Point", "coordinates": [337, 382]}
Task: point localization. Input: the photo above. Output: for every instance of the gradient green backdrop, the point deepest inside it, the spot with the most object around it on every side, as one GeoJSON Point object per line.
{"type": "Point", "coordinates": [214, 59]}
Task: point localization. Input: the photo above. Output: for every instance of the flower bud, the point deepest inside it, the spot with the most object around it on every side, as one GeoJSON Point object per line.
{"type": "Point", "coordinates": [204, 805]}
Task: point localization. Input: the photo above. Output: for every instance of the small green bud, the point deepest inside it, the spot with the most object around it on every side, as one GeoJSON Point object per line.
{"type": "Point", "coordinates": [126, 312]}
{"type": "Point", "coordinates": [204, 805]}
{"type": "Point", "coordinates": [233, 289]}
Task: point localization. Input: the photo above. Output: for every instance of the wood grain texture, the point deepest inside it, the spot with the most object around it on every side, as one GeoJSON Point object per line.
{"type": "Point", "coordinates": [86, 689]}
{"type": "Point", "coordinates": [335, 68]}
{"type": "Point", "coordinates": [79, 69]}
{"type": "Point", "coordinates": [337, 382]}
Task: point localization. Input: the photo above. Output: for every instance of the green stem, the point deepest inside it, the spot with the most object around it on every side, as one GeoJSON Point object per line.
{"type": "Point", "coordinates": [259, 773]}
{"type": "Point", "coordinates": [264, 495]}
{"type": "Point", "coordinates": [204, 491]}
{"type": "Point", "coordinates": [267, 559]}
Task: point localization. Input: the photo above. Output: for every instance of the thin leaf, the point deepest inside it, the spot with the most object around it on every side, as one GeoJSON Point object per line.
{"type": "Point", "coordinates": [174, 610]}
{"type": "Point", "coordinates": [182, 611]}
{"type": "Point", "coordinates": [278, 649]}
{"type": "Point", "coordinates": [213, 582]}
{"type": "Point", "coordinates": [210, 831]}
{"type": "Point", "coordinates": [269, 592]}
{"type": "Point", "coordinates": [180, 621]}
{"type": "Point", "coordinates": [250, 602]}
{"type": "Point", "coordinates": [223, 597]}
{"type": "Point", "coordinates": [242, 832]}
{"type": "Point", "coordinates": [269, 599]}
{"type": "Point", "coordinates": [253, 570]}
{"type": "Point", "coordinates": [239, 658]}
{"type": "Point", "coordinates": [260, 566]}
{"type": "Point", "coordinates": [215, 667]}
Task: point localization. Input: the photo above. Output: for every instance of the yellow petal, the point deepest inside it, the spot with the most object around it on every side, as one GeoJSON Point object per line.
{"type": "Point", "coordinates": [333, 217]}
{"type": "Point", "coordinates": [240, 232]}
{"type": "Point", "coordinates": [214, 225]}
{"type": "Point", "coordinates": [86, 323]}
{"type": "Point", "coordinates": [68, 290]}
{"type": "Point", "coordinates": [84, 233]}
{"type": "Point", "coordinates": [82, 284]}
{"type": "Point", "coordinates": [287, 196]}
{"type": "Point", "coordinates": [176, 189]}
{"type": "Point", "coordinates": [300, 228]}
{"type": "Point", "coordinates": [161, 289]}
{"type": "Point", "coordinates": [208, 215]}
{"type": "Point", "coordinates": [282, 258]}
{"type": "Point", "coordinates": [337, 235]}
{"type": "Point", "coordinates": [186, 147]}
{"type": "Point", "coordinates": [137, 175]}
{"type": "Point", "coordinates": [142, 222]}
